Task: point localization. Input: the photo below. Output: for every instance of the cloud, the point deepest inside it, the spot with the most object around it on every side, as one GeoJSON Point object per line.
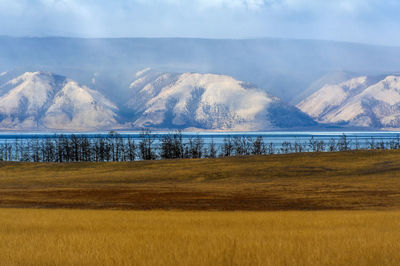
{"type": "Point", "coordinates": [373, 21]}
{"type": "Point", "coordinates": [205, 4]}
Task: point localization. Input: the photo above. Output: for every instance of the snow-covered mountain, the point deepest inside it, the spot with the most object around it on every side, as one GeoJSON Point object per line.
{"type": "Point", "coordinates": [207, 101]}
{"type": "Point", "coordinates": [362, 102]}
{"type": "Point", "coordinates": [46, 101]}
{"type": "Point", "coordinates": [331, 78]}
{"type": "Point", "coordinates": [40, 100]}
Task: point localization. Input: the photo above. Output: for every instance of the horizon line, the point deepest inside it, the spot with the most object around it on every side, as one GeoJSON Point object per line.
{"type": "Point", "coordinates": [200, 38]}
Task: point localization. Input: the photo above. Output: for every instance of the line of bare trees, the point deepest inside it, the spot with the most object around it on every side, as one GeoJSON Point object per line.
{"type": "Point", "coordinates": [116, 148]}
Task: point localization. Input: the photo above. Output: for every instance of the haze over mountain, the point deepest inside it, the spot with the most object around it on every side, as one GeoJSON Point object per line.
{"type": "Point", "coordinates": [285, 68]}
{"type": "Point", "coordinates": [290, 70]}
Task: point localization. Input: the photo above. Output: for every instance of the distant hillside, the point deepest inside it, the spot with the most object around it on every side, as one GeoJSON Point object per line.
{"type": "Point", "coordinates": [207, 101]}
{"type": "Point", "coordinates": [357, 180]}
{"type": "Point", "coordinates": [46, 101]}
{"type": "Point", "coordinates": [285, 68]}
{"type": "Point", "coordinates": [39, 100]}
{"type": "Point", "coordinates": [363, 101]}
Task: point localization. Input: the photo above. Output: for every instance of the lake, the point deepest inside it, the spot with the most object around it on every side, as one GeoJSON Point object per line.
{"type": "Point", "coordinates": [132, 146]}
{"type": "Point", "coordinates": [276, 137]}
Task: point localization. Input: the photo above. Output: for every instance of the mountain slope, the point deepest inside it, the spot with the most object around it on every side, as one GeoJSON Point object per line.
{"type": "Point", "coordinates": [206, 101]}
{"type": "Point", "coordinates": [360, 101]}
{"type": "Point", "coordinates": [39, 100]}
{"type": "Point", "coordinates": [45, 101]}
{"type": "Point", "coordinates": [332, 78]}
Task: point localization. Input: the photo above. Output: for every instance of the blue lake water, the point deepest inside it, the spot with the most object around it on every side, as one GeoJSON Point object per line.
{"type": "Point", "coordinates": [101, 146]}
{"type": "Point", "coordinates": [218, 137]}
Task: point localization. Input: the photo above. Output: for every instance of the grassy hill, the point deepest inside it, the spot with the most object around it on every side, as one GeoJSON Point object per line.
{"type": "Point", "coordinates": [359, 180]}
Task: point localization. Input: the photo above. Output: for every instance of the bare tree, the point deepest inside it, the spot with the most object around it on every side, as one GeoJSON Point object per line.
{"type": "Point", "coordinates": [131, 149]}
{"type": "Point", "coordinates": [212, 150]}
{"type": "Point", "coordinates": [227, 147]}
{"type": "Point", "coordinates": [258, 146]}
{"type": "Point", "coordinates": [146, 145]}
{"type": "Point", "coordinates": [343, 143]}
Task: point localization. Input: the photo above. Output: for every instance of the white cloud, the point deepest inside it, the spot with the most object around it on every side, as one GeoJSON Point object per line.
{"type": "Point", "coordinates": [206, 4]}
{"type": "Point", "coordinates": [250, 4]}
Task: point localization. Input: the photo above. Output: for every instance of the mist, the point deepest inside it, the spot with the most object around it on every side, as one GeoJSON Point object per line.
{"type": "Point", "coordinates": [285, 47]}
{"type": "Point", "coordinates": [284, 68]}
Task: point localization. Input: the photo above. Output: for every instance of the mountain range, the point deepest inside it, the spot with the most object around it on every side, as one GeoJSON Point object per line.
{"type": "Point", "coordinates": [165, 100]}
{"type": "Point", "coordinates": [206, 84]}
{"type": "Point", "coordinates": [46, 101]}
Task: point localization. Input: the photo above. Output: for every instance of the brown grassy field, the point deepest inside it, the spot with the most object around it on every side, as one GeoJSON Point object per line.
{"type": "Point", "coordinates": [352, 198]}
{"type": "Point", "coordinates": [363, 180]}
{"type": "Point", "coordinates": [110, 237]}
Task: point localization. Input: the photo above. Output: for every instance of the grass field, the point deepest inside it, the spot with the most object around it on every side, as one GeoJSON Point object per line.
{"type": "Point", "coordinates": [297, 209]}
{"type": "Point", "coordinates": [107, 237]}
{"type": "Point", "coordinates": [363, 180]}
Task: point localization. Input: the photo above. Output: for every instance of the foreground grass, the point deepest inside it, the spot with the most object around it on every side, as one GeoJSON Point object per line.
{"type": "Point", "coordinates": [358, 180]}
{"type": "Point", "coordinates": [104, 237]}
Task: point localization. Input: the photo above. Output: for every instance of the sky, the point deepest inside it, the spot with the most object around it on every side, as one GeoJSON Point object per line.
{"type": "Point", "coordinates": [366, 21]}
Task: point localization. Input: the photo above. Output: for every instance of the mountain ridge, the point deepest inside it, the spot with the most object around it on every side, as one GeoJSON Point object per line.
{"type": "Point", "coordinates": [41, 100]}
{"type": "Point", "coordinates": [157, 100]}
{"type": "Point", "coordinates": [363, 101]}
{"type": "Point", "coordinates": [207, 101]}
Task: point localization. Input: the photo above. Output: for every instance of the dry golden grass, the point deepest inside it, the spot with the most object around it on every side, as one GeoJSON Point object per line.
{"type": "Point", "coordinates": [107, 237]}
{"type": "Point", "coordinates": [363, 180]}
{"type": "Point", "coordinates": [366, 181]}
